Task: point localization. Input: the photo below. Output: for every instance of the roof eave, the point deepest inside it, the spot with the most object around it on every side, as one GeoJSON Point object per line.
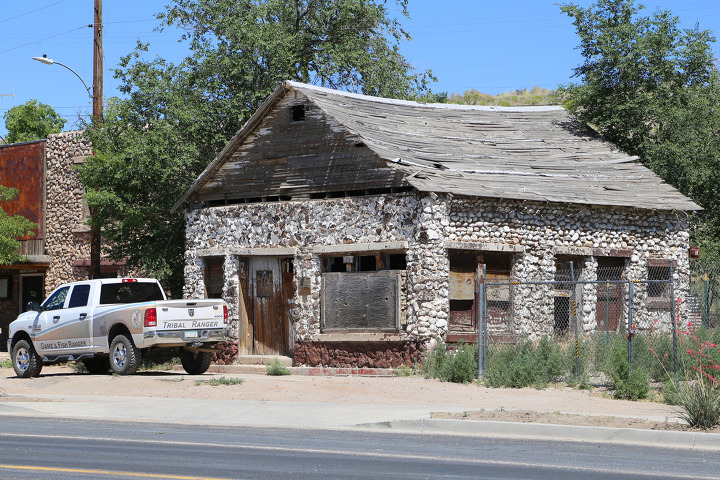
{"type": "Point", "coordinates": [239, 137]}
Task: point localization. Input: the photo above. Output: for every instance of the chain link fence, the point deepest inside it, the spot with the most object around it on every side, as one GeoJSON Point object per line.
{"type": "Point", "coordinates": [587, 316]}
{"type": "Point", "coordinates": [704, 300]}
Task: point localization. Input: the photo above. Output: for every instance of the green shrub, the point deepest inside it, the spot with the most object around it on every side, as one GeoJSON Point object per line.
{"type": "Point", "coordinates": [525, 364]}
{"type": "Point", "coordinates": [700, 402]}
{"type": "Point", "coordinates": [626, 384]}
{"type": "Point", "coordinates": [669, 392]}
{"type": "Point", "coordinates": [404, 371]}
{"type": "Point", "coordinates": [462, 366]}
{"type": "Point", "coordinates": [276, 368]}
{"type": "Point", "coordinates": [699, 395]}
{"type": "Point", "coordinates": [7, 363]}
{"type": "Point", "coordinates": [459, 366]}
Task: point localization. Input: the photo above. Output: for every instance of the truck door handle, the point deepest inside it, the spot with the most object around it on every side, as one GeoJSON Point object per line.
{"type": "Point", "coordinates": [83, 315]}
{"type": "Point", "coordinates": [56, 319]}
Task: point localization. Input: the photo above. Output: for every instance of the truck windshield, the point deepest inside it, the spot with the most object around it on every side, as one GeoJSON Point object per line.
{"type": "Point", "coordinates": [130, 292]}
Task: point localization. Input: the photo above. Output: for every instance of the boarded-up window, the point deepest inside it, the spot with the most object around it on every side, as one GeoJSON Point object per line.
{"type": "Point", "coordinates": [214, 277]}
{"type": "Point", "coordinates": [366, 262]}
{"type": "Point", "coordinates": [367, 301]}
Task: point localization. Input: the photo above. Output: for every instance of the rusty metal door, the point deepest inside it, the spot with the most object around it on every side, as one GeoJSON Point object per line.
{"type": "Point", "coordinates": [270, 331]}
{"type": "Point", "coordinates": [610, 305]}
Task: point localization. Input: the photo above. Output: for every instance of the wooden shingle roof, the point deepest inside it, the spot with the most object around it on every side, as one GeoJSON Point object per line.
{"type": "Point", "coordinates": [523, 153]}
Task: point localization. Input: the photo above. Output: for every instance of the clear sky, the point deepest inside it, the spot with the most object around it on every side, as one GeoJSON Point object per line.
{"type": "Point", "coordinates": [488, 45]}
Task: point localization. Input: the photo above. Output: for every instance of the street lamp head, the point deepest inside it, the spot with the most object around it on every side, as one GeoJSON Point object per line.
{"type": "Point", "coordinates": [44, 59]}
{"type": "Point", "coordinates": [50, 61]}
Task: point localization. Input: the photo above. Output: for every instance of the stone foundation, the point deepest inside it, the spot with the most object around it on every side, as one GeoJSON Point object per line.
{"type": "Point", "coordinates": [227, 353]}
{"type": "Point", "coordinates": [357, 354]}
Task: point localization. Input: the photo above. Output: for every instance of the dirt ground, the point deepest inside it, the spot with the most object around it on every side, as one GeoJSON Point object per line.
{"type": "Point", "coordinates": [561, 405]}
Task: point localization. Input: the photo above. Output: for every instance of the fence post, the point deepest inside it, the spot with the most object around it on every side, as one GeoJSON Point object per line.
{"type": "Point", "coordinates": [607, 315]}
{"type": "Point", "coordinates": [674, 322]}
{"type": "Point", "coordinates": [706, 321]}
{"type": "Point", "coordinates": [573, 305]}
{"type": "Point", "coordinates": [630, 325]}
{"type": "Point", "coordinates": [482, 318]}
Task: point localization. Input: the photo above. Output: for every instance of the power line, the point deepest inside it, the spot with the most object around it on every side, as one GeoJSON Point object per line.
{"type": "Point", "coordinates": [31, 11]}
{"type": "Point", "coordinates": [42, 39]}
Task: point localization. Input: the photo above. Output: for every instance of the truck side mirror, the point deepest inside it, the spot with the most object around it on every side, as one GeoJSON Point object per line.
{"type": "Point", "coordinates": [34, 307]}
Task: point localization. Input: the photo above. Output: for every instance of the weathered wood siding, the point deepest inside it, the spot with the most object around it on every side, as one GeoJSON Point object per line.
{"type": "Point", "coordinates": [291, 159]}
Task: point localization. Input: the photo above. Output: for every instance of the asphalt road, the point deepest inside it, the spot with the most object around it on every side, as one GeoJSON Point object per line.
{"type": "Point", "coordinates": [80, 449]}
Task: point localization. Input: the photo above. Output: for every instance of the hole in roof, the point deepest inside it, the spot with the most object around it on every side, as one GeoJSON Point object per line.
{"type": "Point", "coordinates": [297, 113]}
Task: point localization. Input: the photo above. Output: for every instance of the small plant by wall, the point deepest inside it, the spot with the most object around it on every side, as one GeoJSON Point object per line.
{"type": "Point", "coordinates": [459, 365]}
{"type": "Point", "coordinates": [276, 368]}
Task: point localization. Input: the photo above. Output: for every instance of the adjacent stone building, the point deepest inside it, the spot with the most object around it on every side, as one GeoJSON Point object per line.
{"type": "Point", "coordinates": [51, 195]}
{"type": "Point", "coordinates": [347, 230]}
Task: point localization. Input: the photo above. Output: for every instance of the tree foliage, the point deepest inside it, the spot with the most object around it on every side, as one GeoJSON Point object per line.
{"type": "Point", "coordinates": [11, 228]}
{"type": "Point", "coordinates": [177, 117]}
{"type": "Point", "coordinates": [32, 121]}
{"type": "Point", "coordinates": [653, 89]}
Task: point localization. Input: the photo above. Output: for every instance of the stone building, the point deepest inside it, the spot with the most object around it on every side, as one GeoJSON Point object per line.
{"type": "Point", "coordinates": [51, 195]}
{"type": "Point", "coordinates": [347, 230]}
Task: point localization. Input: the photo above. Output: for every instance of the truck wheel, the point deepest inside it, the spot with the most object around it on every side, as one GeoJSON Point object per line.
{"type": "Point", "coordinates": [96, 365]}
{"type": "Point", "coordinates": [26, 362]}
{"type": "Point", "coordinates": [196, 364]}
{"type": "Point", "coordinates": [124, 356]}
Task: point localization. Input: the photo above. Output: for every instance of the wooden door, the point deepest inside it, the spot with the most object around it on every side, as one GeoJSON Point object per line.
{"type": "Point", "coordinates": [270, 331]}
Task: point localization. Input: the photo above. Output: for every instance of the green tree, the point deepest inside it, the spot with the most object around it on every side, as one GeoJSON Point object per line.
{"type": "Point", "coordinates": [32, 121]}
{"type": "Point", "coordinates": [11, 228]}
{"type": "Point", "coordinates": [176, 118]}
{"type": "Point", "coordinates": [635, 68]}
{"type": "Point", "coordinates": [653, 89]}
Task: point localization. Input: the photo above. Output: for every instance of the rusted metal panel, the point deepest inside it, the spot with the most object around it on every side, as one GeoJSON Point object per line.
{"type": "Point", "coordinates": [462, 316]}
{"type": "Point", "coordinates": [366, 301]}
{"type": "Point", "coordinates": [22, 166]}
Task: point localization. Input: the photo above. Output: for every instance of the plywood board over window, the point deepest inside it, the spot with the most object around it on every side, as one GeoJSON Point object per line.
{"type": "Point", "coordinates": [361, 301]}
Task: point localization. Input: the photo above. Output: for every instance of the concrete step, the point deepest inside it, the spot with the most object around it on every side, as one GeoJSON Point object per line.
{"type": "Point", "coordinates": [263, 360]}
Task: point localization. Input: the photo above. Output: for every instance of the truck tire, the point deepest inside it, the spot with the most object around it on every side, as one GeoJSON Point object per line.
{"type": "Point", "coordinates": [26, 362]}
{"type": "Point", "coordinates": [196, 364]}
{"type": "Point", "coordinates": [96, 365]}
{"type": "Point", "coordinates": [124, 355]}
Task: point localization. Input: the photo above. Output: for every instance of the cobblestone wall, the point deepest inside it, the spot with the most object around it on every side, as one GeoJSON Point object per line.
{"type": "Point", "coordinates": [66, 236]}
{"type": "Point", "coordinates": [544, 231]}
{"type": "Point", "coordinates": [535, 233]}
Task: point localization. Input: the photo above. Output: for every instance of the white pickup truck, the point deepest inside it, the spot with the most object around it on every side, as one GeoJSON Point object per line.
{"type": "Point", "coordinates": [108, 324]}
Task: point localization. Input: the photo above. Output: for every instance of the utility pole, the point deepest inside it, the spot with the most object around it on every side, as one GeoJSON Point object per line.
{"type": "Point", "coordinates": [95, 233]}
